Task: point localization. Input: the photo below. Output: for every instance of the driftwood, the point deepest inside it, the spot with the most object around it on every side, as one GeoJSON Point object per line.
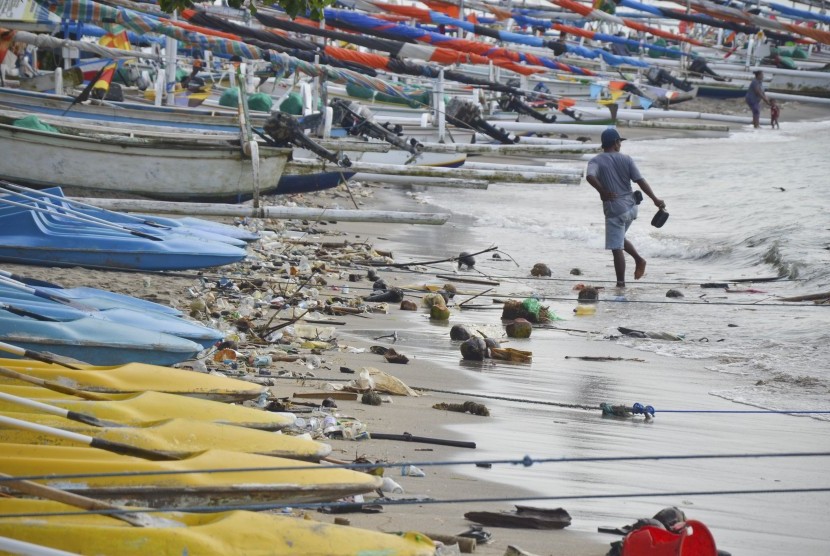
{"type": "Point", "coordinates": [603, 358]}
{"type": "Point", "coordinates": [525, 517]}
{"type": "Point", "coordinates": [810, 297]}
{"type": "Point", "coordinates": [466, 407]}
{"type": "Point", "coordinates": [332, 395]}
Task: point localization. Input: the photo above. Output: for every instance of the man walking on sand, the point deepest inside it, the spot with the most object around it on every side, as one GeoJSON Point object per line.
{"type": "Point", "coordinates": [611, 174]}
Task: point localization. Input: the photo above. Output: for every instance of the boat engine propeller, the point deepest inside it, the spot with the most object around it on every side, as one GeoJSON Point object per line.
{"type": "Point", "coordinates": [282, 130]}
{"type": "Point", "coordinates": [465, 114]}
{"type": "Point", "coordinates": [358, 120]}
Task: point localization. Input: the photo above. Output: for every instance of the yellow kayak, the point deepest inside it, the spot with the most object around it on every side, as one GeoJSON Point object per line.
{"type": "Point", "coordinates": [146, 407]}
{"type": "Point", "coordinates": [292, 482]}
{"type": "Point", "coordinates": [175, 438]}
{"type": "Point", "coordinates": [234, 533]}
{"type": "Point", "coordinates": [137, 377]}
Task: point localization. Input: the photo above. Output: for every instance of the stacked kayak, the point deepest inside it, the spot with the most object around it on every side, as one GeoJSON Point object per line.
{"type": "Point", "coordinates": [139, 409]}
{"type": "Point", "coordinates": [185, 476]}
{"type": "Point", "coordinates": [88, 297]}
{"type": "Point", "coordinates": [54, 198]}
{"type": "Point", "coordinates": [38, 231]}
{"type": "Point", "coordinates": [136, 377]}
{"type": "Point", "coordinates": [89, 340]}
{"type": "Point", "coordinates": [133, 330]}
{"type": "Point", "coordinates": [234, 533]}
{"type": "Point", "coordinates": [198, 480]}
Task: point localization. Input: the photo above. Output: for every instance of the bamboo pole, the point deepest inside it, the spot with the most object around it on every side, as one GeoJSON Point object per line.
{"type": "Point", "coordinates": [276, 212]}
{"type": "Point", "coordinates": [525, 168]}
{"type": "Point", "coordinates": [675, 125]}
{"type": "Point", "coordinates": [454, 183]}
{"type": "Point", "coordinates": [507, 174]}
{"type": "Point", "coordinates": [556, 146]}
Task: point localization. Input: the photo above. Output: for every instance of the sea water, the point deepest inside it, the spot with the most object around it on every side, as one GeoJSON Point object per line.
{"type": "Point", "coordinates": [755, 204]}
{"type": "Point", "coordinates": [750, 206]}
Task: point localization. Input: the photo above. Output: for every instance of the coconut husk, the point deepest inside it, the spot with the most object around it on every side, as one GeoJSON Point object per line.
{"type": "Point", "coordinates": [511, 354]}
{"type": "Point", "coordinates": [514, 309]}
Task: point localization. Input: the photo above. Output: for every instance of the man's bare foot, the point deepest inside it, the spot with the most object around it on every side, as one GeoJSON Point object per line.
{"type": "Point", "coordinates": [620, 284]}
{"type": "Point", "coordinates": [640, 269]}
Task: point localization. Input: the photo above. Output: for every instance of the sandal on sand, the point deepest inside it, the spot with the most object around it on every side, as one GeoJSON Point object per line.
{"type": "Point", "coordinates": [478, 533]}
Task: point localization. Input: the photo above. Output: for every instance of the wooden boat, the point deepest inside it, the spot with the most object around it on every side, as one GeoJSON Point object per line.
{"type": "Point", "coordinates": [129, 113]}
{"type": "Point", "coordinates": [37, 308]}
{"type": "Point", "coordinates": [160, 168]}
{"type": "Point", "coordinates": [175, 438]}
{"type": "Point", "coordinates": [234, 533]}
{"type": "Point", "coordinates": [195, 481]}
{"type": "Point", "coordinates": [51, 239]}
{"type": "Point", "coordinates": [137, 410]}
{"type": "Point", "coordinates": [86, 339]}
{"type": "Point", "coordinates": [137, 377]}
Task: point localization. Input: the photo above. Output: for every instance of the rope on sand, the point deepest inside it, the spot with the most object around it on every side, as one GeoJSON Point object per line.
{"type": "Point", "coordinates": [526, 461]}
{"type": "Point", "coordinates": [419, 500]}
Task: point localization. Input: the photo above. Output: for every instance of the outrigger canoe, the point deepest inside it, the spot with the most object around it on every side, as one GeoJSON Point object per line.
{"type": "Point", "coordinates": [137, 377]}
{"type": "Point", "coordinates": [197, 481]}
{"type": "Point", "coordinates": [234, 533]}
{"type": "Point", "coordinates": [136, 410]}
{"type": "Point", "coordinates": [174, 438]}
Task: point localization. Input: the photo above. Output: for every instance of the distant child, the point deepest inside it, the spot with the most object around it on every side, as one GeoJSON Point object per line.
{"type": "Point", "coordinates": [774, 112]}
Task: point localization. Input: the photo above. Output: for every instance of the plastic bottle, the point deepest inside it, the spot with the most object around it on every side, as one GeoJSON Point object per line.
{"type": "Point", "coordinates": [412, 471]}
{"type": "Point", "coordinates": [584, 310]}
{"type": "Point", "coordinates": [391, 486]}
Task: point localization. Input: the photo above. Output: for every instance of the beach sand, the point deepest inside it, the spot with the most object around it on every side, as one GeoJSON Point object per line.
{"type": "Point", "coordinates": [435, 364]}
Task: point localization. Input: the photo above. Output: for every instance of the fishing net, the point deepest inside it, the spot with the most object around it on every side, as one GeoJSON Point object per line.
{"type": "Point", "coordinates": [33, 122]}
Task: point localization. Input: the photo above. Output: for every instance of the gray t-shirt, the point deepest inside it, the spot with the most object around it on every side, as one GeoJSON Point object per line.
{"type": "Point", "coordinates": [615, 171]}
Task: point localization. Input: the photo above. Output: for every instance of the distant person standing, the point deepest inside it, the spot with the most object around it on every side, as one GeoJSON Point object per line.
{"type": "Point", "coordinates": [611, 174]}
{"type": "Point", "coordinates": [754, 95]}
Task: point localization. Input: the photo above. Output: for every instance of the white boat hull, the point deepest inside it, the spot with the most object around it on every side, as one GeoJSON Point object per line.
{"type": "Point", "coordinates": [159, 169]}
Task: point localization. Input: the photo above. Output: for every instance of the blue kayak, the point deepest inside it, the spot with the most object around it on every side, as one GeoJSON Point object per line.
{"type": "Point", "coordinates": [28, 237]}
{"type": "Point", "coordinates": [49, 311]}
{"type": "Point", "coordinates": [53, 200]}
{"type": "Point", "coordinates": [94, 341]}
{"type": "Point", "coordinates": [92, 298]}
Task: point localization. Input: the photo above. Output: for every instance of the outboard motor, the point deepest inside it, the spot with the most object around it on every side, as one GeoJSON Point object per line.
{"type": "Point", "coordinates": [465, 114]}
{"type": "Point", "coordinates": [283, 130]}
{"type": "Point", "coordinates": [512, 103]}
{"type": "Point", "coordinates": [360, 122]}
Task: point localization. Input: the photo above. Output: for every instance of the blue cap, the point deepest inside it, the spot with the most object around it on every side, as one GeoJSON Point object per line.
{"type": "Point", "coordinates": [610, 136]}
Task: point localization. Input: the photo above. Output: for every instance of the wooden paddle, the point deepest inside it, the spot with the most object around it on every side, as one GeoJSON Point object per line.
{"type": "Point", "coordinates": [91, 441]}
{"type": "Point", "coordinates": [59, 411]}
{"type": "Point", "coordinates": [38, 356]}
{"type": "Point", "coordinates": [78, 501]}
